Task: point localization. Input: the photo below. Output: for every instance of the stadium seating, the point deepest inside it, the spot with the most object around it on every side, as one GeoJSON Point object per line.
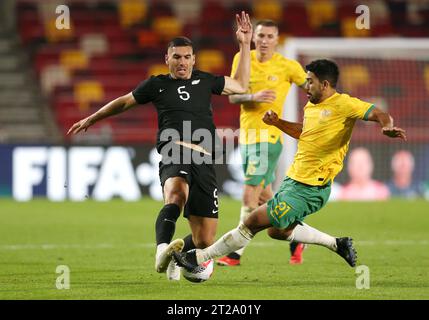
{"type": "Point", "coordinates": [86, 92]}
{"type": "Point", "coordinates": [321, 12]}
{"type": "Point", "coordinates": [113, 45]}
{"type": "Point", "coordinates": [73, 59]}
{"type": "Point", "coordinates": [167, 27]}
{"type": "Point", "coordinates": [426, 78]}
{"type": "Point", "coordinates": [348, 29]}
{"type": "Point", "coordinates": [270, 9]}
{"type": "Point", "coordinates": [354, 76]}
{"type": "Point", "coordinates": [157, 68]}
{"type": "Point", "coordinates": [132, 12]}
{"type": "Point", "coordinates": [53, 34]}
{"type": "Point", "coordinates": [211, 61]}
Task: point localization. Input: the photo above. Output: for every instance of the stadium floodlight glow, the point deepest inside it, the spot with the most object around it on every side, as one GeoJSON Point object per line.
{"type": "Point", "coordinates": [306, 49]}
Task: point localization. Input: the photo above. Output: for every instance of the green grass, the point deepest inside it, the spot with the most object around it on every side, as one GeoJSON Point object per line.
{"type": "Point", "coordinates": [109, 248]}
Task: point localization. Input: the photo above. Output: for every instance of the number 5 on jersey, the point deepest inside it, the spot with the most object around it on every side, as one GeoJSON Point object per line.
{"type": "Point", "coordinates": [184, 95]}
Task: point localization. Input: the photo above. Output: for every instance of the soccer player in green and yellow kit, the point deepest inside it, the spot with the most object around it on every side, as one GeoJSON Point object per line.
{"type": "Point", "coordinates": [323, 141]}
{"type": "Point", "coordinates": [271, 76]}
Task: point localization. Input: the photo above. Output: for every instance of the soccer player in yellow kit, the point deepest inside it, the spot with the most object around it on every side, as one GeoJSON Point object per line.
{"type": "Point", "coordinates": [271, 77]}
{"type": "Point", "coordinates": [323, 141]}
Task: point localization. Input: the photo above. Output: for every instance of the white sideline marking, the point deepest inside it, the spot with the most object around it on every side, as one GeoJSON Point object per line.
{"type": "Point", "coordinates": [14, 247]}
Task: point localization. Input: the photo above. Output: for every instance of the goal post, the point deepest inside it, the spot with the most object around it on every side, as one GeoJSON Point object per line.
{"type": "Point", "coordinates": [393, 73]}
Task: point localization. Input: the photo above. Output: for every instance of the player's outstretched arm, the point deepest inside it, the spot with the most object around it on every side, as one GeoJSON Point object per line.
{"type": "Point", "coordinates": [240, 82]}
{"type": "Point", "coordinates": [113, 107]}
{"type": "Point", "coordinates": [266, 96]}
{"type": "Point", "coordinates": [386, 122]}
{"type": "Point", "coordinates": [292, 129]}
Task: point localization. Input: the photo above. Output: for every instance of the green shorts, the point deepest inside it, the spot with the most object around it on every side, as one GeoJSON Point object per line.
{"type": "Point", "coordinates": [260, 162]}
{"type": "Point", "coordinates": [294, 201]}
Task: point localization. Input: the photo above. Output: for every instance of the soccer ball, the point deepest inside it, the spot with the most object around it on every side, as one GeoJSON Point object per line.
{"type": "Point", "coordinates": [200, 274]}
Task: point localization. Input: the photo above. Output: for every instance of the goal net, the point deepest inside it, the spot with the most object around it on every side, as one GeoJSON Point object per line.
{"type": "Point", "coordinates": [394, 75]}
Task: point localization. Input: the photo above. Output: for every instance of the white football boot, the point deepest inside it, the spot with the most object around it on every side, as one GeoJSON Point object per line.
{"type": "Point", "coordinates": [163, 256]}
{"type": "Point", "coordinates": [173, 271]}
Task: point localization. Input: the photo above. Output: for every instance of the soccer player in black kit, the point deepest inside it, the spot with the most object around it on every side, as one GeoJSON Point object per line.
{"type": "Point", "coordinates": [182, 100]}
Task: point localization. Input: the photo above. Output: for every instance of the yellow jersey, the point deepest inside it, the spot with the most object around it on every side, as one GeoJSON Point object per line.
{"type": "Point", "coordinates": [325, 137]}
{"type": "Point", "coordinates": [276, 74]}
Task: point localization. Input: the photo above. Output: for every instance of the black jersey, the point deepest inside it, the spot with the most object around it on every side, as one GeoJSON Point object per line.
{"type": "Point", "coordinates": [182, 102]}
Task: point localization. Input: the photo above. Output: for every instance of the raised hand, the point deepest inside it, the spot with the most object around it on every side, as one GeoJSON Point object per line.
{"type": "Point", "coordinates": [244, 28]}
{"type": "Point", "coordinates": [271, 118]}
{"type": "Point", "coordinates": [394, 132]}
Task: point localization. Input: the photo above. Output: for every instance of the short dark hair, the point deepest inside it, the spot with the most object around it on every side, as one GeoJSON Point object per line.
{"type": "Point", "coordinates": [180, 42]}
{"type": "Point", "coordinates": [324, 70]}
{"type": "Point", "coordinates": [267, 23]}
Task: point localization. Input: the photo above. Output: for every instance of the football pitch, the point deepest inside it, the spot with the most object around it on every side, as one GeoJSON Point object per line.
{"type": "Point", "coordinates": [109, 250]}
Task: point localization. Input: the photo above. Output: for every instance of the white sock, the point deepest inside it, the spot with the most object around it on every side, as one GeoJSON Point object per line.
{"type": "Point", "coordinates": [229, 242]}
{"type": "Point", "coordinates": [244, 213]}
{"type": "Point", "coordinates": [306, 234]}
{"type": "Point", "coordinates": [161, 247]}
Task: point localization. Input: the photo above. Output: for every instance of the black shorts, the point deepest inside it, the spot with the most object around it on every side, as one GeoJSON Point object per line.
{"type": "Point", "coordinates": [201, 178]}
